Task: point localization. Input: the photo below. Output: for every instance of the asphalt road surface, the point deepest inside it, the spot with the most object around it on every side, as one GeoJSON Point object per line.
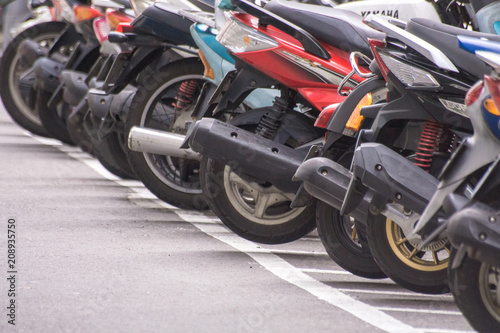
{"type": "Point", "coordinates": [94, 253]}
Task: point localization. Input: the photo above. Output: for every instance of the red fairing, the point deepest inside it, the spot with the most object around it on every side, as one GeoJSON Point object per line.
{"type": "Point", "coordinates": [314, 78]}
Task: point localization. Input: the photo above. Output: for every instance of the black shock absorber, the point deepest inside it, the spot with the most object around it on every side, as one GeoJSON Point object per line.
{"type": "Point", "coordinates": [270, 122]}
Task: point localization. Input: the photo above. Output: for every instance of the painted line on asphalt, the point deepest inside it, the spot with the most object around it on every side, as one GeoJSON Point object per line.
{"type": "Point", "coordinates": [413, 310]}
{"type": "Point", "coordinates": [394, 293]}
{"type": "Point", "coordinates": [293, 275]}
{"type": "Point", "coordinates": [272, 262]}
{"type": "Point", "coordinates": [325, 271]}
{"type": "Point", "coordinates": [437, 330]}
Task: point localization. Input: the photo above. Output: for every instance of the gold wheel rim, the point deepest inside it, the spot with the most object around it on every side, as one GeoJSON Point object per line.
{"type": "Point", "coordinates": [430, 261]}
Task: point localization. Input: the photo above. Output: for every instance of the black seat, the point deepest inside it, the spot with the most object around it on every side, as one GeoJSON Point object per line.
{"type": "Point", "coordinates": [444, 37]}
{"type": "Point", "coordinates": [342, 29]}
{"type": "Point", "coordinates": [124, 3]}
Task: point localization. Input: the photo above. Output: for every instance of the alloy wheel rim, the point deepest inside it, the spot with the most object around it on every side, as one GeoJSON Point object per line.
{"type": "Point", "coordinates": [489, 278]}
{"type": "Point", "coordinates": [258, 203]}
{"type": "Point", "coordinates": [432, 260]}
{"type": "Point", "coordinates": [15, 72]}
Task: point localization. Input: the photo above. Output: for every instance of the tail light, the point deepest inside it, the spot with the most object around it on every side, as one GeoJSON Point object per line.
{"type": "Point", "coordinates": [490, 109]}
{"type": "Point", "coordinates": [409, 75]}
{"type": "Point", "coordinates": [101, 29]}
{"type": "Point", "coordinates": [238, 37]}
{"type": "Point", "coordinates": [473, 93]}
{"type": "Point", "coordinates": [493, 85]}
{"type": "Point", "coordinates": [325, 116]}
{"type": "Point", "coordinates": [83, 13]}
{"type": "Point", "coordinates": [115, 17]}
{"type": "Point", "coordinates": [124, 28]}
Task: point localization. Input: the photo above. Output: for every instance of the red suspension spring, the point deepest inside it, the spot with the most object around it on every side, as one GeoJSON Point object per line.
{"type": "Point", "coordinates": [185, 94]}
{"type": "Point", "coordinates": [435, 137]}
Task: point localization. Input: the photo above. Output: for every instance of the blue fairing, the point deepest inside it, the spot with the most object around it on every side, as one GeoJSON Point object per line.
{"type": "Point", "coordinates": [207, 35]}
{"type": "Point", "coordinates": [472, 44]}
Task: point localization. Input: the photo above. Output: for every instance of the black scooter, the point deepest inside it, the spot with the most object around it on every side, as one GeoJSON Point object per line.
{"type": "Point", "coordinates": [402, 144]}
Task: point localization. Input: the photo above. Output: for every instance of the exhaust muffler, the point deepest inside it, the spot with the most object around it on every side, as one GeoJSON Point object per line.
{"type": "Point", "coordinates": [248, 153]}
{"type": "Point", "coordinates": [147, 140]}
{"type": "Point", "coordinates": [329, 182]}
{"type": "Point", "coordinates": [382, 182]}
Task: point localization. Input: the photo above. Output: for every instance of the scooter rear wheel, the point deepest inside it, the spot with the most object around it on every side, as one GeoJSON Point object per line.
{"type": "Point", "coordinates": [254, 211]}
{"type": "Point", "coordinates": [345, 241]}
{"type": "Point", "coordinates": [11, 69]}
{"type": "Point", "coordinates": [156, 105]}
{"type": "Point", "coordinates": [422, 271]}
{"type": "Point", "coordinates": [475, 288]}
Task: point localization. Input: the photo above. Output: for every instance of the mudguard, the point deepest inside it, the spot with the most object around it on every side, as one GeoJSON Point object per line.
{"type": "Point", "coordinates": [394, 177]}
{"type": "Point", "coordinates": [477, 228]}
{"type": "Point", "coordinates": [75, 87]}
{"type": "Point", "coordinates": [47, 72]}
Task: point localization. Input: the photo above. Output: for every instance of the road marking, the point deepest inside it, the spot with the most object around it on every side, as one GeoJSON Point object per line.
{"type": "Point", "coordinates": [430, 311]}
{"type": "Point", "coordinates": [394, 293]}
{"type": "Point", "coordinates": [325, 271]}
{"type": "Point", "coordinates": [291, 274]}
{"type": "Point", "coordinates": [437, 330]}
{"type": "Point", "coordinates": [265, 257]}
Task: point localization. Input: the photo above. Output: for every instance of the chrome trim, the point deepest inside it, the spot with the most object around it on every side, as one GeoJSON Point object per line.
{"type": "Point", "coordinates": [354, 64]}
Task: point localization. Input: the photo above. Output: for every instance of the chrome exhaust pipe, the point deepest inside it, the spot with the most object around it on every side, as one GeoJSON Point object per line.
{"type": "Point", "coordinates": [151, 141]}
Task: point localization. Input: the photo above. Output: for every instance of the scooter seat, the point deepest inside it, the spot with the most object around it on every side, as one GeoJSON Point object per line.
{"type": "Point", "coordinates": [339, 28]}
{"type": "Point", "coordinates": [124, 3]}
{"type": "Point", "coordinates": [444, 37]}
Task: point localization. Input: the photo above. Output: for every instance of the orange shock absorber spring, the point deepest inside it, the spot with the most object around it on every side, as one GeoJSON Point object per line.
{"type": "Point", "coordinates": [428, 144]}
{"type": "Point", "coordinates": [185, 94]}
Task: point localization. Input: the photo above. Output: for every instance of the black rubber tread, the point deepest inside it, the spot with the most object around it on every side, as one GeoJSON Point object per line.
{"type": "Point", "coordinates": [464, 285]}
{"type": "Point", "coordinates": [52, 122]}
{"type": "Point", "coordinates": [427, 282]}
{"type": "Point", "coordinates": [112, 156]}
{"type": "Point", "coordinates": [357, 260]}
{"type": "Point", "coordinates": [51, 28]}
{"type": "Point", "coordinates": [211, 174]}
{"type": "Point", "coordinates": [142, 170]}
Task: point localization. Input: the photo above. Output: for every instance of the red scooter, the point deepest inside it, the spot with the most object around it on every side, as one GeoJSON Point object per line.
{"type": "Point", "coordinates": [249, 158]}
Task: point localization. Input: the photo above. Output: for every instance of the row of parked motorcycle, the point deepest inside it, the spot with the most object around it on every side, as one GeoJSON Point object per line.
{"type": "Point", "coordinates": [375, 122]}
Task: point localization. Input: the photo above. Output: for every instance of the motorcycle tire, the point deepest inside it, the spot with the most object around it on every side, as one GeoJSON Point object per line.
{"type": "Point", "coordinates": [475, 294]}
{"type": "Point", "coordinates": [228, 202]}
{"type": "Point", "coordinates": [173, 180]}
{"type": "Point", "coordinates": [110, 152]}
{"type": "Point", "coordinates": [11, 68]}
{"type": "Point", "coordinates": [52, 121]}
{"type": "Point", "coordinates": [255, 210]}
{"type": "Point", "coordinates": [414, 270]}
{"type": "Point", "coordinates": [345, 242]}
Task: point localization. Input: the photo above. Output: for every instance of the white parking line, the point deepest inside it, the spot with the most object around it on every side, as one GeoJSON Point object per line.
{"type": "Point", "coordinates": [395, 293]}
{"type": "Point", "coordinates": [430, 311]}
{"type": "Point", "coordinates": [325, 271]}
